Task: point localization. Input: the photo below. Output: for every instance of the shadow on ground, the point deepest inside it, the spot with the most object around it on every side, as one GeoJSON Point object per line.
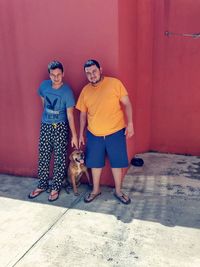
{"type": "Point", "coordinates": [165, 190]}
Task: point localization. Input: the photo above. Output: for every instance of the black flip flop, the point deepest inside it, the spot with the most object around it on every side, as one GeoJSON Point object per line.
{"type": "Point", "coordinates": [122, 199]}
{"type": "Point", "coordinates": [89, 198]}
{"type": "Point", "coordinates": [35, 194]}
{"type": "Point", "coordinates": [52, 195]}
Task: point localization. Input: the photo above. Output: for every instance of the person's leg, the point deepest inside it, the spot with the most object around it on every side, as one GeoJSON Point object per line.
{"type": "Point", "coordinates": [117, 175]}
{"type": "Point", "coordinates": [96, 175]}
{"type": "Point", "coordinates": [60, 149]}
{"type": "Point", "coordinates": [45, 151]}
{"type": "Point", "coordinates": [117, 154]}
{"type": "Point", "coordinates": [95, 159]}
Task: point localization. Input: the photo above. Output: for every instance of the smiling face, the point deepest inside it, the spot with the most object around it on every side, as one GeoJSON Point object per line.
{"type": "Point", "coordinates": [93, 74]}
{"type": "Point", "coordinates": [56, 77]}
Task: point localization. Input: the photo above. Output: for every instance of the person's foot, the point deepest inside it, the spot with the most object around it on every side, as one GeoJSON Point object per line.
{"type": "Point", "coordinates": [91, 196]}
{"type": "Point", "coordinates": [53, 196]}
{"type": "Point", "coordinates": [122, 198]}
{"type": "Point", "coordinates": [36, 193]}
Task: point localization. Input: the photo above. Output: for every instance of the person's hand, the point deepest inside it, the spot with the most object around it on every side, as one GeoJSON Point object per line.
{"type": "Point", "coordinates": [74, 142]}
{"type": "Point", "coordinates": [81, 141]}
{"type": "Point", "coordinates": [129, 132]}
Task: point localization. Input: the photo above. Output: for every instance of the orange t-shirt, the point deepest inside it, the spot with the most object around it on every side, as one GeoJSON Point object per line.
{"type": "Point", "coordinates": [102, 105]}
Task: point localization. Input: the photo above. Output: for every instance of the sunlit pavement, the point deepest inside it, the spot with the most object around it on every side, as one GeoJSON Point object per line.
{"type": "Point", "coordinates": [161, 226]}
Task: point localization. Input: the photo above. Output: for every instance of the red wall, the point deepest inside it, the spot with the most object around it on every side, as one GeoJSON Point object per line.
{"type": "Point", "coordinates": [127, 37]}
{"type": "Point", "coordinates": [33, 33]}
{"type": "Point", "coordinates": [175, 124]}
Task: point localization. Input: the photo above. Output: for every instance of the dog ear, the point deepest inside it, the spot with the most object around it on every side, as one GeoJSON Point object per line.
{"type": "Point", "coordinates": [71, 156]}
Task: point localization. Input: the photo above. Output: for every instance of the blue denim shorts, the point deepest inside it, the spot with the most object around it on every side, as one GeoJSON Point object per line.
{"type": "Point", "coordinates": [113, 146]}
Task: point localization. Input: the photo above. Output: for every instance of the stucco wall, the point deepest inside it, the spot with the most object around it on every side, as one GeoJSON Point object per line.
{"type": "Point", "coordinates": [32, 34]}
{"type": "Point", "coordinates": [175, 120]}
{"type": "Point", "coordinates": [127, 37]}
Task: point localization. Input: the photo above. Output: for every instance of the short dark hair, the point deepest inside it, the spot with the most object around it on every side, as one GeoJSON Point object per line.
{"type": "Point", "coordinates": [55, 65]}
{"type": "Point", "coordinates": [91, 62]}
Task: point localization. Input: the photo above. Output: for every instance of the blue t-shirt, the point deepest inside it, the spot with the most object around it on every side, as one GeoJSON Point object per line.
{"type": "Point", "coordinates": [56, 102]}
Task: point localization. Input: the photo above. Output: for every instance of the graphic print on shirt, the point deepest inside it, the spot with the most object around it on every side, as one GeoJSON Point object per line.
{"type": "Point", "coordinates": [52, 106]}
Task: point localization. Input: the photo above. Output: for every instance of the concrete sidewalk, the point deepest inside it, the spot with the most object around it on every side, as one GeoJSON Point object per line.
{"type": "Point", "coordinates": [161, 227]}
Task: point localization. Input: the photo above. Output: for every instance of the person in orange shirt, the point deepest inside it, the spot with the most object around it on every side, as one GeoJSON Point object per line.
{"type": "Point", "coordinates": [100, 104]}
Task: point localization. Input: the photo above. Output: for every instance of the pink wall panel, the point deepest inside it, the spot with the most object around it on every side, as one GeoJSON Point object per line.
{"type": "Point", "coordinates": [176, 95]}
{"type": "Point", "coordinates": [135, 56]}
{"type": "Point", "coordinates": [144, 58]}
{"type": "Point", "coordinates": [127, 56]}
{"type": "Point", "coordinates": [32, 34]}
{"type": "Point", "coordinates": [127, 37]}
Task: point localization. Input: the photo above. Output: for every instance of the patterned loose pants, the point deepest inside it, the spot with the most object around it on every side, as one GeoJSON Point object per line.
{"type": "Point", "coordinates": [53, 138]}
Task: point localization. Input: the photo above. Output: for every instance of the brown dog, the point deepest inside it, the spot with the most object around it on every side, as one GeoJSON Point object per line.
{"type": "Point", "coordinates": [76, 169]}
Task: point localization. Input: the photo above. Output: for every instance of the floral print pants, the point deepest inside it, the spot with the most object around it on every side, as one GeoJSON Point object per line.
{"type": "Point", "coordinates": [53, 138]}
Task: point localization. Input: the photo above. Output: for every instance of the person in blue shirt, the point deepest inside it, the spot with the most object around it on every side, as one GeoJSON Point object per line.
{"type": "Point", "coordinates": [57, 118]}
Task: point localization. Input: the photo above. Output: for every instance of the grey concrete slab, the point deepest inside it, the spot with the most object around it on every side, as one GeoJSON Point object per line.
{"type": "Point", "coordinates": [23, 222]}
{"type": "Point", "coordinates": [161, 227]}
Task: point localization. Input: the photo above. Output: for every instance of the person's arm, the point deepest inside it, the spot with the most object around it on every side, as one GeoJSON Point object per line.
{"type": "Point", "coordinates": [42, 98]}
{"type": "Point", "coordinates": [128, 112]}
{"type": "Point", "coordinates": [83, 119]}
{"type": "Point", "coordinates": [70, 115]}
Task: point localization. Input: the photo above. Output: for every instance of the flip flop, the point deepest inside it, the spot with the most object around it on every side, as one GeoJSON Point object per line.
{"type": "Point", "coordinates": [36, 193]}
{"type": "Point", "coordinates": [122, 198]}
{"type": "Point", "coordinates": [51, 196]}
{"type": "Point", "coordinates": [89, 198]}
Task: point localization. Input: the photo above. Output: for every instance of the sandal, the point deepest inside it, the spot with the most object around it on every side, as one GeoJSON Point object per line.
{"type": "Point", "coordinates": [53, 196]}
{"type": "Point", "coordinates": [91, 197]}
{"type": "Point", "coordinates": [123, 198]}
{"type": "Point", "coordinates": [36, 193]}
